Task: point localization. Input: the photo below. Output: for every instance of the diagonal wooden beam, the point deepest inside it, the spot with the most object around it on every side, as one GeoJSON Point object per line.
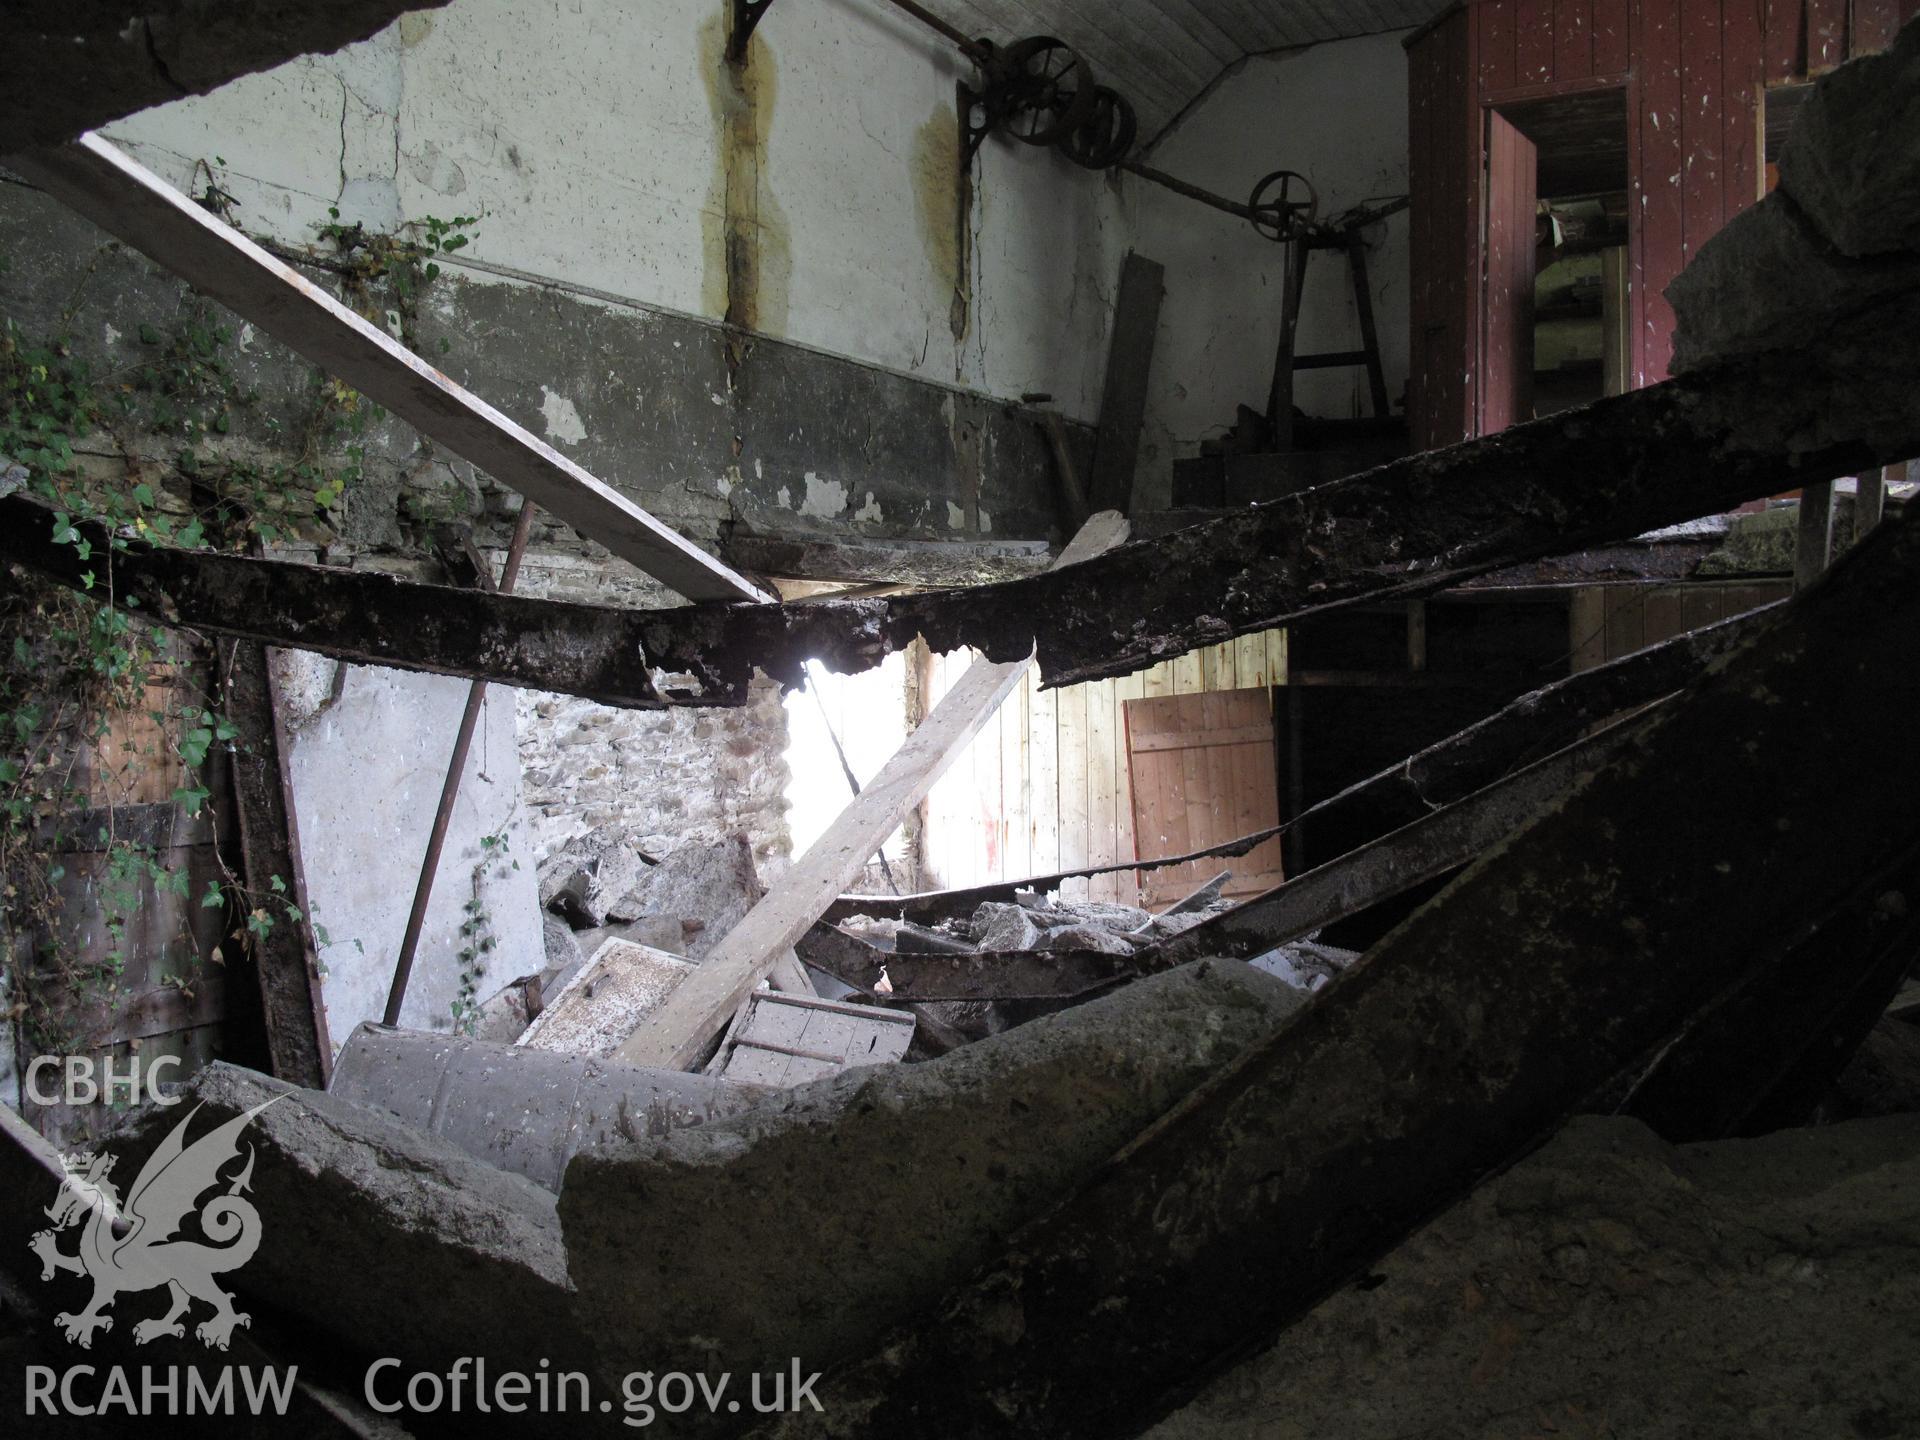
{"type": "Point", "coordinates": [678, 1032]}
{"type": "Point", "coordinates": [122, 197]}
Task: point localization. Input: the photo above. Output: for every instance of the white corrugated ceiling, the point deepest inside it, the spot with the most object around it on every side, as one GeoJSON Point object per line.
{"type": "Point", "coordinates": [1161, 54]}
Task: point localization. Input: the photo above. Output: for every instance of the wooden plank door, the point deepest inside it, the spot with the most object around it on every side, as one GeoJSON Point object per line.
{"type": "Point", "coordinates": [1202, 769]}
{"type": "Point", "coordinates": [1506, 387]}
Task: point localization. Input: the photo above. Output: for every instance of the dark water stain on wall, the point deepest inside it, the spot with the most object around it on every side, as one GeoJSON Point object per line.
{"type": "Point", "coordinates": [940, 198]}
{"type": "Point", "coordinates": [748, 259]}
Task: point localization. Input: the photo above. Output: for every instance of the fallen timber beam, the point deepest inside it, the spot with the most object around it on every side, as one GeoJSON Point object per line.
{"type": "Point", "coordinates": [1449, 770]}
{"type": "Point", "coordinates": [95, 179]}
{"type": "Point", "coordinates": [360, 616]}
{"type": "Point", "coordinates": [1705, 442]}
{"type": "Point", "coordinates": [677, 1033]}
{"type": "Point", "coordinates": [1552, 971]}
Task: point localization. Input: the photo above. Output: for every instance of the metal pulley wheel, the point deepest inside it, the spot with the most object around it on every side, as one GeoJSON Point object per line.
{"type": "Point", "coordinates": [1040, 90]}
{"type": "Point", "coordinates": [1103, 139]}
{"type": "Point", "coordinates": [1284, 205]}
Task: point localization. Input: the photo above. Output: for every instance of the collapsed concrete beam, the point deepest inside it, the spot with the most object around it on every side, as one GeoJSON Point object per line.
{"type": "Point", "coordinates": [1550, 973]}
{"type": "Point", "coordinates": [95, 179]}
{"type": "Point", "coordinates": [67, 67]}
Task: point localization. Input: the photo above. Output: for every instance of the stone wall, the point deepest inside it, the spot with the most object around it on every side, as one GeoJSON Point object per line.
{"type": "Point", "coordinates": [661, 777]}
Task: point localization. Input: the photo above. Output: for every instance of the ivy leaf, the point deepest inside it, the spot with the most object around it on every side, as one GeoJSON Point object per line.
{"type": "Point", "coordinates": [213, 899]}
{"type": "Point", "coordinates": [143, 493]}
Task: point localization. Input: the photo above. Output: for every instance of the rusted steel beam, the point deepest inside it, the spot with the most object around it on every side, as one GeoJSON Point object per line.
{"type": "Point", "coordinates": [1551, 972]}
{"type": "Point", "coordinates": [1619, 467]}
{"type": "Point", "coordinates": [285, 957]}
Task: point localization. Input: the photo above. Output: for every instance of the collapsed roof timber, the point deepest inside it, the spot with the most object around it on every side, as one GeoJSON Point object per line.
{"type": "Point", "coordinates": [1447, 1039]}
{"type": "Point", "coordinates": [1729, 432]}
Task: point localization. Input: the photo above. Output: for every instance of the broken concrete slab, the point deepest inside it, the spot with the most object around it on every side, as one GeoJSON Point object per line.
{"type": "Point", "coordinates": [1096, 938]}
{"type": "Point", "coordinates": [519, 1108]}
{"type": "Point", "coordinates": [359, 1209]}
{"type": "Point", "coordinates": [564, 954]}
{"type": "Point", "coordinates": [711, 884]}
{"type": "Point", "coordinates": [605, 999]}
{"type": "Point", "coordinates": [806, 1225]}
{"type": "Point", "coordinates": [997, 926]}
{"type": "Point", "coordinates": [1587, 1292]}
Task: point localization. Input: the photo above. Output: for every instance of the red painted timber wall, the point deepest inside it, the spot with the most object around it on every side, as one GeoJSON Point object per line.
{"type": "Point", "coordinates": [1693, 71]}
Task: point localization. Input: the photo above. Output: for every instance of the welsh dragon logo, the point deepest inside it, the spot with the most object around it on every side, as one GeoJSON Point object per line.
{"type": "Point", "coordinates": [130, 1245]}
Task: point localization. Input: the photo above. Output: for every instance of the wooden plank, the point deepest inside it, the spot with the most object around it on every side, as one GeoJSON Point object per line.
{"type": "Point", "coordinates": [1612, 37]}
{"type": "Point", "coordinates": [1276, 657]}
{"type": "Point", "coordinates": [1126, 841]}
{"type": "Point", "coordinates": [677, 1033]}
{"type": "Point", "coordinates": [1250, 661]}
{"type": "Point", "coordinates": [1156, 680]}
{"type": "Point", "coordinates": [1123, 398]}
{"type": "Point", "coordinates": [1506, 389]}
{"type": "Point", "coordinates": [1103, 788]}
{"type": "Point", "coordinates": [1016, 839]}
{"type": "Point", "coordinates": [1201, 739]}
{"type": "Point", "coordinates": [1875, 24]}
{"type": "Point", "coordinates": [1498, 47]}
{"type": "Point", "coordinates": [1625, 620]}
{"type": "Point", "coordinates": [1189, 674]}
{"type": "Point", "coordinates": [1785, 43]}
{"type": "Point", "coordinates": [1702, 124]}
{"type": "Point", "coordinates": [1660, 177]}
{"type": "Point", "coordinates": [1573, 40]}
{"type": "Point", "coordinates": [989, 815]}
{"type": "Point", "coordinates": [1043, 750]}
{"type": "Point", "coordinates": [123, 198]}
{"type": "Point", "coordinates": [1534, 25]}
{"type": "Point", "coordinates": [1076, 839]}
{"type": "Point", "coordinates": [1743, 66]}
{"type": "Point", "coordinates": [1826, 35]}
{"type": "Point", "coordinates": [1587, 628]}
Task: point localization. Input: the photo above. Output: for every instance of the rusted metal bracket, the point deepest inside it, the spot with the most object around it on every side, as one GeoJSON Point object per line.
{"type": "Point", "coordinates": [746, 15]}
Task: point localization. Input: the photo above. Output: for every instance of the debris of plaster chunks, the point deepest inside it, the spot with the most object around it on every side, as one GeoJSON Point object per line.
{"type": "Point", "coordinates": [809, 1224]}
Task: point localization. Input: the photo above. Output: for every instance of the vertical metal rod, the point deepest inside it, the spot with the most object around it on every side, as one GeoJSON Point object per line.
{"type": "Point", "coordinates": [450, 789]}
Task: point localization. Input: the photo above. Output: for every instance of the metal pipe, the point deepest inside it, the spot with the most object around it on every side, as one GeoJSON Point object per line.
{"type": "Point", "coordinates": [1181, 187]}
{"type": "Point", "coordinates": [973, 49]}
{"type": "Point", "coordinates": [450, 788]}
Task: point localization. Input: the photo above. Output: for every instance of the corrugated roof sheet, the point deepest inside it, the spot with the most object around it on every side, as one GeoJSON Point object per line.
{"type": "Point", "coordinates": [1161, 54]}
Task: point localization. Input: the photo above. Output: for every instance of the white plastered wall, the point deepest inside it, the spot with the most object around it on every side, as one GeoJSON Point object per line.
{"type": "Point", "coordinates": [1338, 114]}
